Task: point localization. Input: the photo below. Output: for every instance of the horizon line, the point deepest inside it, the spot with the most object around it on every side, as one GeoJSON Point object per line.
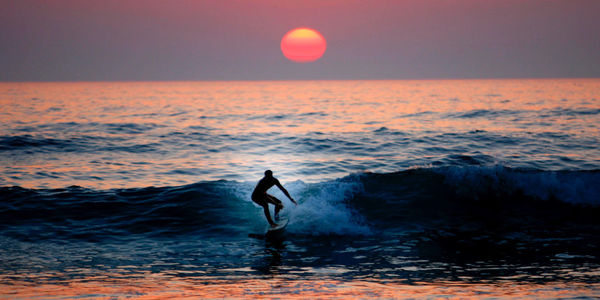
{"type": "Point", "coordinates": [285, 80]}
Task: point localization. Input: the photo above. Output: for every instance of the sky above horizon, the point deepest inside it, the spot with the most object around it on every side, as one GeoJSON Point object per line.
{"type": "Point", "coordinates": [108, 40]}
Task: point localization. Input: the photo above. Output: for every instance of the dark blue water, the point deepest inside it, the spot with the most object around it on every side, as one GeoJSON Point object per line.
{"type": "Point", "coordinates": [451, 223]}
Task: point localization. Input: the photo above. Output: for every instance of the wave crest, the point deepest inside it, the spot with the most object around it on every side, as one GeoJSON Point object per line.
{"type": "Point", "coordinates": [358, 204]}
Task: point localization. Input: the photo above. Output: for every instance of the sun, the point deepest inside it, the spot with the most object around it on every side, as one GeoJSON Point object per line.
{"type": "Point", "coordinates": [303, 45]}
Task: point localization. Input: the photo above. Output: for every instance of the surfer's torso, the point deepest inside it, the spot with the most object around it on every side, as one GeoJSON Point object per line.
{"type": "Point", "coordinates": [264, 185]}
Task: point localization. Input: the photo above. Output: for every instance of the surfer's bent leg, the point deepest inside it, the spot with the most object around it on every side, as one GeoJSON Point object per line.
{"type": "Point", "coordinates": [278, 204]}
{"type": "Point", "coordinates": [263, 201]}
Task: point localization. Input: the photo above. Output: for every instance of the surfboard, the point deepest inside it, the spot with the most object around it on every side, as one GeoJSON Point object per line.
{"type": "Point", "coordinates": [279, 228]}
{"type": "Point", "coordinates": [273, 233]}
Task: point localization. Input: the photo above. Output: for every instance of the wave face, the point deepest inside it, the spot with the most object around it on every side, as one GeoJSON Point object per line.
{"type": "Point", "coordinates": [481, 199]}
{"type": "Point", "coordinates": [360, 204]}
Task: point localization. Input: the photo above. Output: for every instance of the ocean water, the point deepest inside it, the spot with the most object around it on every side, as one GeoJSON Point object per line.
{"type": "Point", "coordinates": [406, 189]}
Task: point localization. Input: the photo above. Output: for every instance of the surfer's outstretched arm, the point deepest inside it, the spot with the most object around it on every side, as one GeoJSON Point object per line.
{"type": "Point", "coordinates": [285, 191]}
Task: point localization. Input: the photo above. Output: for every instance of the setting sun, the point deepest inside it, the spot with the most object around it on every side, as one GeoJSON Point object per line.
{"type": "Point", "coordinates": [303, 45]}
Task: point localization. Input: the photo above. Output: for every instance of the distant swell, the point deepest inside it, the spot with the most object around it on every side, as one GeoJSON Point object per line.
{"type": "Point", "coordinates": [357, 204]}
{"type": "Point", "coordinates": [81, 144]}
{"type": "Point", "coordinates": [481, 113]}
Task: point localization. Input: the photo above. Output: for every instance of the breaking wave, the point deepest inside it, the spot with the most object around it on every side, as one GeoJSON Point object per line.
{"type": "Point", "coordinates": [358, 204]}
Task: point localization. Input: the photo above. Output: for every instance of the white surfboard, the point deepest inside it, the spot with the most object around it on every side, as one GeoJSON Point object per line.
{"type": "Point", "coordinates": [280, 226]}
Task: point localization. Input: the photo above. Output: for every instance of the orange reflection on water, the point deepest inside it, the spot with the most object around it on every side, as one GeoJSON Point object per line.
{"type": "Point", "coordinates": [345, 105]}
{"type": "Point", "coordinates": [117, 110]}
{"type": "Point", "coordinates": [159, 286]}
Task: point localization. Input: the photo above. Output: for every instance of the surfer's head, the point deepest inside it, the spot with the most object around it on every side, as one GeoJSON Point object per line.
{"type": "Point", "coordinates": [268, 173]}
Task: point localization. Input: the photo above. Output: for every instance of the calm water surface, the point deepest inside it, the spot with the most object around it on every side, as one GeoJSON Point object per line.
{"type": "Point", "coordinates": [106, 135]}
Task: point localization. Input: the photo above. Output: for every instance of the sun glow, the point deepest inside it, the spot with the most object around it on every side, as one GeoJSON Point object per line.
{"type": "Point", "coordinates": [303, 45]}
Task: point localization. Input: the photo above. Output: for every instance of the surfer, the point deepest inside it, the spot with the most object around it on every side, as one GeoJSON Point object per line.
{"type": "Point", "coordinates": [263, 199]}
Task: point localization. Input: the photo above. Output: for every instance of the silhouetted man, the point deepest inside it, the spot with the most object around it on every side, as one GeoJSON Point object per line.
{"type": "Point", "coordinates": [263, 199]}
